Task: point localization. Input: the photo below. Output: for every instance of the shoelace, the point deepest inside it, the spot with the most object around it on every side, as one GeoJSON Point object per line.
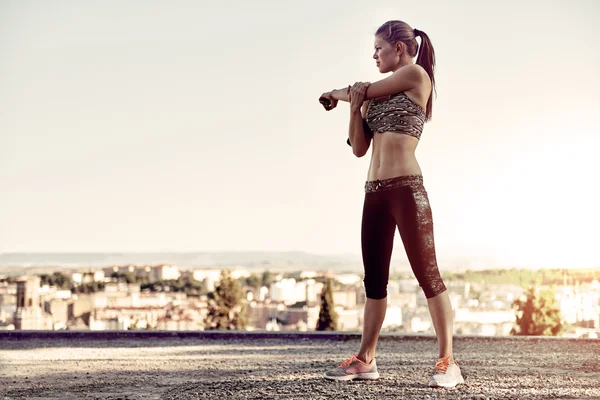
{"type": "Point", "coordinates": [443, 363]}
{"type": "Point", "coordinates": [349, 361]}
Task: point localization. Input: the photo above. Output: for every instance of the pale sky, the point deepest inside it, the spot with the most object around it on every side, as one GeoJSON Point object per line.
{"type": "Point", "coordinates": [195, 126]}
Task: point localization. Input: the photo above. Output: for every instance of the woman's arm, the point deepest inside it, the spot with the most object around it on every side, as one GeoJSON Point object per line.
{"type": "Point", "coordinates": [329, 102]}
{"type": "Point", "coordinates": [404, 79]}
{"type": "Point", "coordinates": [341, 94]}
{"type": "Point", "coordinates": [358, 137]}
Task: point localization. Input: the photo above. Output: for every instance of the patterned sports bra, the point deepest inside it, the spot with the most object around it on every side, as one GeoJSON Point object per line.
{"type": "Point", "coordinates": [397, 114]}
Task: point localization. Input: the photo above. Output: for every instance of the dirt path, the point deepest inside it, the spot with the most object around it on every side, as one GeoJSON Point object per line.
{"type": "Point", "coordinates": [290, 369]}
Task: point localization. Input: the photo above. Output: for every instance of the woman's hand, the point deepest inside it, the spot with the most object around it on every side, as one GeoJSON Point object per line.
{"type": "Point", "coordinates": [357, 95]}
{"type": "Point", "coordinates": [329, 103]}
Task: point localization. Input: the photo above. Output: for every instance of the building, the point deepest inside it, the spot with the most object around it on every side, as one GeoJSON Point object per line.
{"type": "Point", "coordinates": [210, 277]}
{"type": "Point", "coordinates": [260, 314]}
{"type": "Point", "coordinates": [300, 316]}
{"type": "Point", "coordinates": [164, 272]}
{"type": "Point", "coordinates": [284, 291]}
{"type": "Point", "coordinates": [117, 294]}
{"type": "Point", "coordinates": [8, 304]}
{"type": "Point", "coordinates": [484, 322]}
{"type": "Point", "coordinates": [348, 319]}
{"type": "Point", "coordinates": [87, 277]}
{"type": "Point", "coordinates": [29, 314]}
{"type": "Point", "coordinates": [345, 299]}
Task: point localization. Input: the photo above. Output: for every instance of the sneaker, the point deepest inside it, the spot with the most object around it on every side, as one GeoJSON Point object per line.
{"type": "Point", "coordinates": [447, 373]}
{"type": "Point", "coordinates": [353, 368]}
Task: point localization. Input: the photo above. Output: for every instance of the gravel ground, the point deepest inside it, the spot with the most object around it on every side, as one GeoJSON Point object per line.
{"type": "Point", "coordinates": [259, 368]}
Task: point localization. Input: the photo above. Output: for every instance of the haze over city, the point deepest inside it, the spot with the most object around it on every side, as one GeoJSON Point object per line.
{"type": "Point", "coordinates": [195, 126]}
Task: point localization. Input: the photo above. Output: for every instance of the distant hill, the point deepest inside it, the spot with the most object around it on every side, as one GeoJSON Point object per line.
{"type": "Point", "coordinates": [18, 262]}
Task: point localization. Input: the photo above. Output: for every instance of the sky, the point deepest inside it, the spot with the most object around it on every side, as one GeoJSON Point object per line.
{"type": "Point", "coordinates": [195, 126]}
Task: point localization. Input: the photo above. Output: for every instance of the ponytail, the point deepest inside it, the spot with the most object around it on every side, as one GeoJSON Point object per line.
{"type": "Point", "coordinates": [426, 59]}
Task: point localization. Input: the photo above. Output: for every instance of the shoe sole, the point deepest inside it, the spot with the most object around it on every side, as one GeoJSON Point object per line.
{"type": "Point", "coordinates": [359, 377]}
{"type": "Point", "coordinates": [459, 381]}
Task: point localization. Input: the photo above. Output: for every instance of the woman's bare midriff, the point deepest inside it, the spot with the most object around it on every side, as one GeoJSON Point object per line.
{"type": "Point", "coordinates": [393, 155]}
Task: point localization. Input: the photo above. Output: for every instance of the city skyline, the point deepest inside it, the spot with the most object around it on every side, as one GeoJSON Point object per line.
{"type": "Point", "coordinates": [196, 127]}
{"type": "Point", "coordinates": [167, 297]}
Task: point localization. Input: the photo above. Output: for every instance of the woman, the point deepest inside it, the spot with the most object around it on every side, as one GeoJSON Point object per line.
{"type": "Point", "coordinates": [390, 113]}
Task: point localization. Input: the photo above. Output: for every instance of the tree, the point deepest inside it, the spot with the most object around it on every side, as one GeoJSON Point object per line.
{"type": "Point", "coordinates": [538, 314]}
{"type": "Point", "coordinates": [226, 308]}
{"type": "Point", "coordinates": [267, 278]}
{"type": "Point", "coordinates": [57, 279]}
{"type": "Point", "coordinates": [328, 318]}
{"type": "Point", "coordinates": [90, 287]}
{"type": "Point", "coordinates": [253, 281]}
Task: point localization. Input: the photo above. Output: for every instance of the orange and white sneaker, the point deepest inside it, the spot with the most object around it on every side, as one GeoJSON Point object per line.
{"type": "Point", "coordinates": [446, 373]}
{"type": "Point", "coordinates": [353, 368]}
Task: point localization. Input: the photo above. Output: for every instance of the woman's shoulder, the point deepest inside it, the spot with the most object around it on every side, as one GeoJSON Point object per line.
{"type": "Point", "coordinates": [415, 70]}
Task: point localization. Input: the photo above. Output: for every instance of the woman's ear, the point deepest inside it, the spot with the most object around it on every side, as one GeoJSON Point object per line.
{"type": "Point", "coordinates": [399, 48]}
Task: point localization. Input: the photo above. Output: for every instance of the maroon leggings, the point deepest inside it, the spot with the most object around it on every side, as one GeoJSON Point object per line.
{"type": "Point", "coordinates": [398, 202]}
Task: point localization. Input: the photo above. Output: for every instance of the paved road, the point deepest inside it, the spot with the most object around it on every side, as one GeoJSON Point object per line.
{"type": "Point", "coordinates": [290, 368]}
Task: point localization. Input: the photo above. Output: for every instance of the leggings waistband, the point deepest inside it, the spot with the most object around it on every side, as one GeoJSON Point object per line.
{"type": "Point", "coordinates": [393, 183]}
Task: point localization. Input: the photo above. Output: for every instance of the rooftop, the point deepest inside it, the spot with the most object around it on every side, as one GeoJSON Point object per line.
{"type": "Point", "coordinates": [260, 365]}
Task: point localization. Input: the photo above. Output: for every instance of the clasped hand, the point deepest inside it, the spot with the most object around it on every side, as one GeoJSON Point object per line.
{"type": "Point", "coordinates": [356, 97]}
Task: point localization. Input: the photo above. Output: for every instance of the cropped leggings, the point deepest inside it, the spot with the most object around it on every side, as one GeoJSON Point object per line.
{"type": "Point", "coordinates": [398, 202]}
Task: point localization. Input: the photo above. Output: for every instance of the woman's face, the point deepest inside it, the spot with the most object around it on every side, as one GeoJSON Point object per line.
{"type": "Point", "coordinates": [386, 55]}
